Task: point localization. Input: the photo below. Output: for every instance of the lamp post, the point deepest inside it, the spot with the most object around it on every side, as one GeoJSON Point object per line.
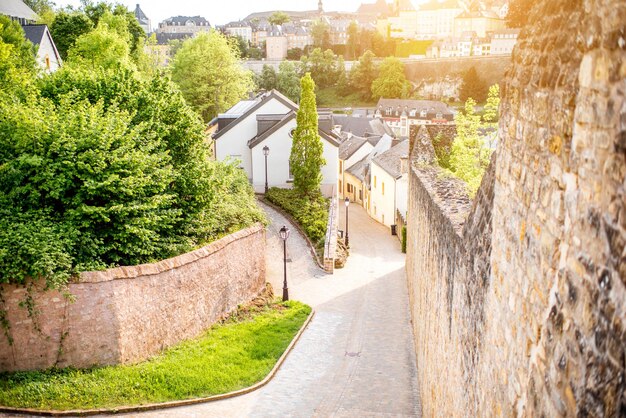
{"type": "Point", "coordinates": [347, 202]}
{"type": "Point", "coordinates": [284, 234]}
{"type": "Point", "coordinates": [266, 152]}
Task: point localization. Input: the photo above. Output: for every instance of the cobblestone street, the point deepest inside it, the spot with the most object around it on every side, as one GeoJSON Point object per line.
{"type": "Point", "coordinates": [356, 359]}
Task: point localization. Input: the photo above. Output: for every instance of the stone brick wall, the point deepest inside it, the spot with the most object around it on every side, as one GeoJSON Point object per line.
{"type": "Point", "coordinates": [128, 314]}
{"type": "Point", "coordinates": [519, 303]}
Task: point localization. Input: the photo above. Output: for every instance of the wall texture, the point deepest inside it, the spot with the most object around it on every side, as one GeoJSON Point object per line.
{"type": "Point", "coordinates": [519, 300]}
{"type": "Point", "coordinates": [128, 314]}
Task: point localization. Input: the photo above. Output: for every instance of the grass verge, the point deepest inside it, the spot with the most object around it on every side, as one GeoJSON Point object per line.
{"type": "Point", "coordinates": [232, 355]}
{"type": "Point", "coordinates": [330, 97]}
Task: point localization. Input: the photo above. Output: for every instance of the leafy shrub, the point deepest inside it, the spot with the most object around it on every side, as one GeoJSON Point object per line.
{"type": "Point", "coordinates": [102, 168]}
{"type": "Point", "coordinates": [404, 239]}
{"type": "Point", "coordinates": [310, 212]}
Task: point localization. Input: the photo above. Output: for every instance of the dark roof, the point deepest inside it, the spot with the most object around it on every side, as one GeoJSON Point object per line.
{"type": "Point", "coordinates": [165, 38]}
{"type": "Point", "coordinates": [182, 20]}
{"type": "Point", "coordinates": [360, 169]}
{"type": "Point", "coordinates": [286, 119]}
{"type": "Point", "coordinates": [390, 160]}
{"type": "Point", "coordinates": [140, 15]}
{"type": "Point", "coordinates": [18, 9]}
{"type": "Point", "coordinates": [261, 100]}
{"type": "Point", "coordinates": [34, 33]}
{"type": "Point", "coordinates": [362, 126]}
{"type": "Point", "coordinates": [350, 146]}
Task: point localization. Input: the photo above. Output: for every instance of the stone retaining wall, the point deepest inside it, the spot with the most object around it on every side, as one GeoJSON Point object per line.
{"type": "Point", "coordinates": [128, 314]}
{"type": "Point", "coordinates": [519, 302]}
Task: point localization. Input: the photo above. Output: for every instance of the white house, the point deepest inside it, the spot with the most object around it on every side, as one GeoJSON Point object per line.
{"type": "Point", "coordinates": [389, 184]}
{"type": "Point", "coordinates": [47, 55]}
{"type": "Point", "coordinates": [401, 114]}
{"type": "Point", "coordinates": [269, 121]}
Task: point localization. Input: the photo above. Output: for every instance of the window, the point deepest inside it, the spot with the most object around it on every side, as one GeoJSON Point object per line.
{"type": "Point", "coordinates": [423, 114]}
{"type": "Point", "coordinates": [374, 181]}
{"type": "Point", "coordinates": [47, 62]}
{"type": "Point", "coordinates": [361, 195]}
{"type": "Point", "coordinates": [340, 186]}
{"type": "Point", "coordinates": [383, 186]}
{"type": "Point", "coordinates": [340, 166]}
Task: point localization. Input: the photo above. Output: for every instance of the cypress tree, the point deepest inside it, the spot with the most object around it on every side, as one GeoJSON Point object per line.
{"type": "Point", "coordinates": [307, 149]}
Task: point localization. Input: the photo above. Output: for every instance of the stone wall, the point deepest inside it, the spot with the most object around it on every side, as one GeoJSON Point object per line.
{"type": "Point", "coordinates": [519, 302]}
{"type": "Point", "coordinates": [128, 314]}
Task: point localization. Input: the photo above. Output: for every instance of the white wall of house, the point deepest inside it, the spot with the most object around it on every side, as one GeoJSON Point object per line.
{"type": "Point", "coordinates": [234, 143]}
{"type": "Point", "coordinates": [46, 55]}
{"type": "Point", "coordinates": [361, 153]}
{"type": "Point", "coordinates": [402, 195]}
{"type": "Point", "coordinates": [383, 199]}
{"type": "Point", "coordinates": [279, 144]}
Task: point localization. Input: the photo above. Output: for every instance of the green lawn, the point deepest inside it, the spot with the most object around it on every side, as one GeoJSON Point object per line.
{"type": "Point", "coordinates": [230, 356]}
{"type": "Point", "coordinates": [328, 97]}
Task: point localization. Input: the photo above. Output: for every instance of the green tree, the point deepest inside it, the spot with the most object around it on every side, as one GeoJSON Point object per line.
{"type": "Point", "coordinates": [320, 32]}
{"type": "Point", "coordinates": [391, 82]}
{"type": "Point", "coordinates": [288, 81]}
{"type": "Point", "coordinates": [473, 86]}
{"type": "Point", "coordinates": [278, 18]}
{"type": "Point", "coordinates": [241, 44]}
{"type": "Point", "coordinates": [67, 27]}
{"type": "Point", "coordinates": [491, 115]}
{"type": "Point", "coordinates": [268, 79]}
{"type": "Point", "coordinates": [363, 75]}
{"type": "Point", "coordinates": [307, 150]}
{"type": "Point", "coordinates": [322, 66]}
{"type": "Point", "coordinates": [294, 54]}
{"type": "Point", "coordinates": [343, 84]}
{"type": "Point", "coordinates": [208, 71]}
{"type": "Point", "coordinates": [17, 60]}
{"type": "Point", "coordinates": [519, 11]}
{"type": "Point", "coordinates": [469, 157]}
{"type": "Point", "coordinates": [352, 47]}
{"type": "Point", "coordinates": [106, 47]}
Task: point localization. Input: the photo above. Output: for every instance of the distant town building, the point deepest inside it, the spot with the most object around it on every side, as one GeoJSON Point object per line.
{"type": "Point", "coordinates": [241, 29]}
{"type": "Point", "coordinates": [404, 22]}
{"type": "Point", "coordinates": [143, 20]}
{"type": "Point", "coordinates": [400, 114]}
{"type": "Point", "coordinates": [503, 41]}
{"type": "Point", "coordinates": [379, 9]}
{"type": "Point", "coordinates": [435, 19]}
{"type": "Point", "coordinates": [482, 22]}
{"type": "Point", "coordinates": [184, 24]}
{"type": "Point", "coordinates": [277, 44]}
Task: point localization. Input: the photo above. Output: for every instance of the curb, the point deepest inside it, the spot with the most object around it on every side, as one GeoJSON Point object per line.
{"type": "Point", "coordinates": [171, 404]}
{"type": "Point", "coordinates": [298, 228]}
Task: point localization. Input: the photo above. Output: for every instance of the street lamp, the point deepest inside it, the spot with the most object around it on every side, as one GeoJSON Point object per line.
{"type": "Point", "coordinates": [347, 202]}
{"type": "Point", "coordinates": [284, 234]}
{"type": "Point", "coordinates": [266, 152]}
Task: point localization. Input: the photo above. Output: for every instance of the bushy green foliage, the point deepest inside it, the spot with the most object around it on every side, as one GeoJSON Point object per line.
{"type": "Point", "coordinates": [404, 239]}
{"type": "Point", "coordinates": [67, 27]}
{"type": "Point", "coordinates": [288, 81]}
{"type": "Point", "coordinates": [17, 60]}
{"type": "Point", "coordinates": [207, 71]}
{"type": "Point", "coordinates": [107, 168]}
{"type": "Point", "coordinates": [391, 82]}
{"type": "Point", "coordinates": [407, 48]}
{"type": "Point", "coordinates": [322, 65]}
{"type": "Point", "coordinates": [443, 148]}
{"type": "Point", "coordinates": [311, 212]}
{"type": "Point", "coordinates": [306, 159]}
{"type": "Point", "coordinates": [230, 356]}
{"type": "Point", "coordinates": [363, 74]}
{"type": "Point", "coordinates": [470, 155]}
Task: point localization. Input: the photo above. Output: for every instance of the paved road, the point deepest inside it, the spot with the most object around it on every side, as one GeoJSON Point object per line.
{"type": "Point", "coordinates": [356, 359]}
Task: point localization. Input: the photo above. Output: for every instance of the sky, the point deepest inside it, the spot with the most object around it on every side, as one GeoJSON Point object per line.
{"type": "Point", "coordinates": [219, 12]}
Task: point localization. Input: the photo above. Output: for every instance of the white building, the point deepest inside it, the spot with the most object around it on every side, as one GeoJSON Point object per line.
{"type": "Point", "coordinates": [47, 55]}
{"type": "Point", "coordinates": [389, 184]}
{"type": "Point", "coordinates": [241, 29]}
{"type": "Point", "coordinates": [269, 121]}
{"type": "Point", "coordinates": [435, 19]}
{"type": "Point", "coordinates": [503, 41]}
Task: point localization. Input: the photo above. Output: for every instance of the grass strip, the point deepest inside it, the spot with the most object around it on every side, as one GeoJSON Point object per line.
{"type": "Point", "coordinates": [230, 356]}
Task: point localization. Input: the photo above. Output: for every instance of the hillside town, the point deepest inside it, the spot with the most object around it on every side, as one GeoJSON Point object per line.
{"type": "Point", "coordinates": [416, 208]}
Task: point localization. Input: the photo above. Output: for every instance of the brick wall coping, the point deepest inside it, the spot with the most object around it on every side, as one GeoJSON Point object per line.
{"type": "Point", "coordinates": [142, 270]}
{"type": "Point", "coordinates": [448, 193]}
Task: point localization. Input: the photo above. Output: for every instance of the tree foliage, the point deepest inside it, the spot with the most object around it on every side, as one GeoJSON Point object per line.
{"type": "Point", "coordinates": [67, 27]}
{"type": "Point", "coordinates": [278, 18]}
{"type": "Point", "coordinates": [268, 79]}
{"type": "Point", "coordinates": [469, 156]}
{"type": "Point", "coordinates": [391, 82]}
{"type": "Point", "coordinates": [307, 150]}
{"type": "Point", "coordinates": [101, 167]}
{"type": "Point", "coordinates": [208, 72]}
{"type": "Point", "coordinates": [363, 75]}
{"type": "Point", "coordinates": [288, 81]}
{"type": "Point", "coordinates": [322, 66]}
{"type": "Point", "coordinates": [473, 86]}
{"type": "Point", "coordinates": [320, 32]}
{"type": "Point", "coordinates": [17, 59]}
